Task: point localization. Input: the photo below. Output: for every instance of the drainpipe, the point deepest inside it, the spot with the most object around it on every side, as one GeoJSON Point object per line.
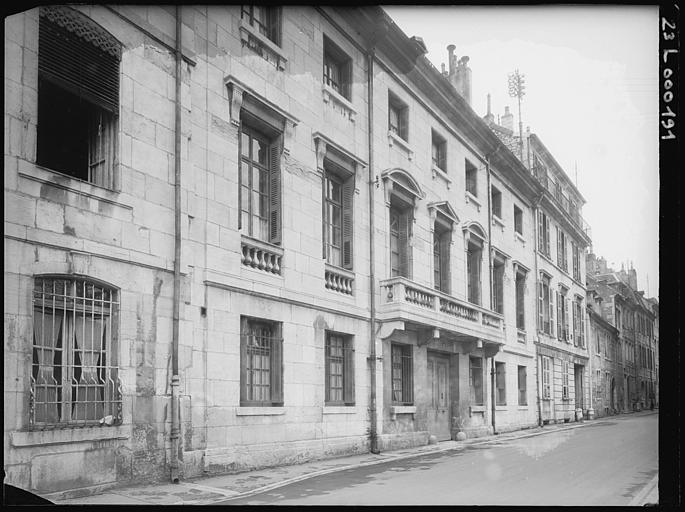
{"type": "Point", "coordinates": [536, 206]}
{"type": "Point", "coordinates": [373, 428]}
{"type": "Point", "coordinates": [174, 437]}
{"type": "Point", "coordinates": [492, 360]}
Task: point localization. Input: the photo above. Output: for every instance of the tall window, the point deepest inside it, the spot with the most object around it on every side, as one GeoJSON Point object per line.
{"type": "Point", "coordinates": [402, 374]}
{"type": "Point", "coordinates": [476, 380]}
{"type": "Point", "coordinates": [474, 251]}
{"type": "Point", "coordinates": [265, 19]}
{"type": "Point", "coordinates": [575, 250]}
{"type": "Point", "coordinates": [546, 377]}
{"type": "Point", "coordinates": [520, 300]}
{"type": "Point", "coordinates": [471, 172]}
{"type": "Point", "coordinates": [78, 96]}
{"type": "Point", "coordinates": [523, 385]}
{"type": "Point", "coordinates": [337, 69]}
{"type": "Point", "coordinates": [439, 151]}
{"type": "Point", "coordinates": [442, 239]}
{"type": "Point", "coordinates": [74, 373]}
{"type": "Point", "coordinates": [518, 220]}
{"type": "Point", "coordinates": [545, 306]}
{"type": "Point", "coordinates": [398, 117]}
{"type": "Point", "coordinates": [498, 286]}
{"type": "Point", "coordinates": [400, 234]}
{"type": "Point", "coordinates": [338, 218]}
{"type": "Point", "coordinates": [500, 384]}
{"type": "Point", "coordinates": [578, 323]}
{"type": "Point", "coordinates": [496, 199]}
{"type": "Point", "coordinates": [562, 257]}
{"type": "Point", "coordinates": [543, 234]}
{"type": "Point", "coordinates": [339, 369]}
{"type": "Point", "coordinates": [261, 363]}
{"type": "Point", "coordinates": [564, 380]}
{"type": "Point", "coordinates": [563, 333]}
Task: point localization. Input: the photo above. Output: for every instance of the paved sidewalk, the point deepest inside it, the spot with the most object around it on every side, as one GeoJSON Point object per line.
{"type": "Point", "coordinates": [213, 489]}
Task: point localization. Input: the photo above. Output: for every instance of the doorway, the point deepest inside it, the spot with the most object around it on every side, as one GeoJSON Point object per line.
{"type": "Point", "coordinates": [578, 377]}
{"type": "Point", "coordinates": [438, 382]}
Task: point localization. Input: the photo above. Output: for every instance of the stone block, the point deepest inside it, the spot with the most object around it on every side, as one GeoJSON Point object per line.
{"type": "Point", "coordinates": [58, 472]}
{"type": "Point", "coordinates": [153, 106]}
{"type": "Point", "coordinates": [20, 210]}
{"type": "Point", "coordinates": [50, 216]}
{"type": "Point", "coordinates": [149, 159]}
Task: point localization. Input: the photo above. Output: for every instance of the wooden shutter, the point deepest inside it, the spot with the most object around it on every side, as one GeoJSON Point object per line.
{"type": "Point", "coordinates": [582, 325]}
{"type": "Point", "coordinates": [445, 241]}
{"type": "Point", "coordinates": [348, 369]}
{"type": "Point", "coordinates": [551, 311]}
{"type": "Point", "coordinates": [76, 64]}
{"type": "Point", "coordinates": [547, 239]}
{"type": "Point", "coordinates": [559, 316]}
{"type": "Point", "coordinates": [348, 222]}
{"type": "Point", "coordinates": [244, 333]}
{"type": "Point", "coordinates": [276, 373]}
{"type": "Point", "coordinates": [566, 315]}
{"type": "Point", "coordinates": [324, 215]}
{"type": "Point", "coordinates": [275, 192]}
{"type": "Point", "coordinates": [403, 242]}
{"type": "Point", "coordinates": [541, 307]}
{"type": "Point", "coordinates": [240, 175]}
{"type": "Point", "coordinates": [559, 256]}
{"type": "Point", "coordinates": [541, 240]}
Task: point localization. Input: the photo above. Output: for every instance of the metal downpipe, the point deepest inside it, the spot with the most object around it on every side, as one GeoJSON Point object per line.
{"type": "Point", "coordinates": [373, 427]}
{"type": "Point", "coordinates": [491, 274]}
{"type": "Point", "coordinates": [174, 436]}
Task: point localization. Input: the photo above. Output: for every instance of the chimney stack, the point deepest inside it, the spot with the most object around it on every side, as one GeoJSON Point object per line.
{"type": "Point", "coordinates": [451, 57]}
{"type": "Point", "coordinates": [463, 79]}
{"type": "Point", "coordinates": [508, 119]}
{"type": "Point", "coordinates": [489, 117]}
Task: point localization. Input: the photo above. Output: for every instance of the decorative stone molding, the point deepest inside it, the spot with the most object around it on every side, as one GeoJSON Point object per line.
{"type": "Point", "coordinates": [401, 409]}
{"type": "Point", "coordinates": [335, 99]}
{"type": "Point", "coordinates": [394, 139]}
{"type": "Point", "coordinates": [262, 45]}
{"type": "Point", "coordinates": [470, 198]}
{"type": "Point", "coordinates": [236, 103]}
{"type": "Point", "coordinates": [261, 255]}
{"type": "Point", "coordinates": [439, 173]}
{"type": "Point", "coordinates": [339, 280]}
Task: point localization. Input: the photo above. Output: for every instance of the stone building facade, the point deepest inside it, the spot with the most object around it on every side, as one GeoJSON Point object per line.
{"type": "Point", "coordinates": [560, 241]}
{"type": "Point", "coordinates": [238, 237]}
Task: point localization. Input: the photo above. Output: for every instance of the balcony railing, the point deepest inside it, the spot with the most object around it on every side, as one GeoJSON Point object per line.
{"type": "Point", "coordinates": [339, 280]}
{"type": "Point", "coordinates": [261, 256]}
{"type": "Point", "coordinates": [400, 290]}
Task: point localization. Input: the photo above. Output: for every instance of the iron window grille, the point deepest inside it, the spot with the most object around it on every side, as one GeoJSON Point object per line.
{"type": "Point", "coordinates": [337, 69]}
{"type": "Point", "coordinates": [261, 363]}
{"type": "Point", "coordinates": [439, 151]}
{"type": "Point", "coordinates": [265, 19]}
{"type": "Point", "coordinates": [339, 373]}
{"type": "Point", "coordinates": [78, 96]}
{"type": "Point", "coordinates": [402, 374]}
{"type": "Point", "coordinates": [500, 383]}
{"type": "Point", "coordinates": [476, 380]}
{"type": "Point", "coordinates": [471, 174]}
{"type": "Point", "coordinates": [398, 114]}
{"type": "Point", "coordinates": [74, 378]}
{"type": "Point", "coordinates": [522, 385]}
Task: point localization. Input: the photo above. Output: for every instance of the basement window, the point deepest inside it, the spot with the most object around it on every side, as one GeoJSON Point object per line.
{"type": "Point", "coordinates": [78, 96]}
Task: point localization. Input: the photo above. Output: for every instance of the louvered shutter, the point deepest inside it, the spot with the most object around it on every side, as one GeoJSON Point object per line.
{"type": "Point", "coordinates": [540, 232]}
{"type": "Point", "coordinates": [348, 377]}
{"type": "Point", "coordinates": [558, 247]}
{"type": "Point", "coordinates": [582, 325]}
{"type": "Point", "coordinates": [348, 222]}
{"type": "Point", "coordinates": [541, 308]}
{"type": "Point", "coordinates": [276, 375]}
{"type": "Point", "coordinates": [445, 241]}
{"type": "Point", "coordinates": [547, 239]}
{"type": "Point", "coordinates": [275, 192]}
{"type": "Point", "coordinates": [551, 312]}
{"type": "Point", "coordinates": [243, 359]}
{"type": "Point", "coordinates": [404, 248]}
{"type": "Point", "coordinates": [567, 304]}
{"type": "Point", "coordinates": [324, 216]}
{"type": "Point", "coordinates": [240, 176]}
{"type": "Point", "coordinates": [71, 62]}
{"type": "Point", "coordinates": [559, 316]}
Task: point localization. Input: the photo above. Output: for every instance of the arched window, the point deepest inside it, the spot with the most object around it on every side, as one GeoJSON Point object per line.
{"type": "Point", "coordinates": [74, 377]}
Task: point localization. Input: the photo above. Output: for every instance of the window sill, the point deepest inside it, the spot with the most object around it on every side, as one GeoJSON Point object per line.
{"type": "Point", "coordinates": [442, 174]}
{"type": "Point", "coordinates": [523, 407]}
{"type": "Point", "coordinates": [394, 139]}
{"type": "Point", "coordinates": [401, 409]}
{"type": "Point", "coordinates": [339, 409]}
{"type": "Point", "coordinates": [259, 411]}
{"type": "Point", "coordinates": [501, 407]}
{"type": "Point", "coordinates": [338, 279]}
{"type": "Point", "coordinates": [247, 31]}
{"type": "Point", "coordinates": [470, 198]}
{"type": "Point", "coordinates": [476, 408]}
{"type": "Point", "coordinates": [68, 435]}
{"type": "Point", "coordinates": [496, 221]}
{"type": "Point", "coordinates": [521, 336]}
{"type": "Point", "coordinates": [337, 98]}
{"type": "Point", "coordinates": [518, 236]}
{"type": "Point", "coordinates": [260, 255]}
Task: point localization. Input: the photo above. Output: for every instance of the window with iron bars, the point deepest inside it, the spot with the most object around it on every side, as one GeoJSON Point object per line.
{"type": "Point", "coordinates": [476, 380]}
{"type": "Point", "coordinates": [265, 19]}
{"type": "Point", "coordinates": [402, 374]}
{"type": "Point", "coordinates": [261, 363]}
{"type": "Point", "coordinates": [339, 369]}
{"type": "Point", "coordinates": [74, 375]}
{"type": "Point", "coordinates": [337, 68]}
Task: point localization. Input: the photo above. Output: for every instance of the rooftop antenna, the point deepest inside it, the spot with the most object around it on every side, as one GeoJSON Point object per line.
{"type": "Point", "coordinates": [517, 89]}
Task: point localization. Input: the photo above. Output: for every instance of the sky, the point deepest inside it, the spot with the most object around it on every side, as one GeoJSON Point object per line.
{"type": "Point", "coordinates": [592, 78]}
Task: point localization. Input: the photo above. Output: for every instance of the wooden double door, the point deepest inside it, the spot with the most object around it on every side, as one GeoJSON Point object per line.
{"type": "Point", "coordinates": [438, 382]}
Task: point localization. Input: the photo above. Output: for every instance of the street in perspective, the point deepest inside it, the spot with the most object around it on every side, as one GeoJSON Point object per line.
{"type": "Point", "coordinates": [607, 462]}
